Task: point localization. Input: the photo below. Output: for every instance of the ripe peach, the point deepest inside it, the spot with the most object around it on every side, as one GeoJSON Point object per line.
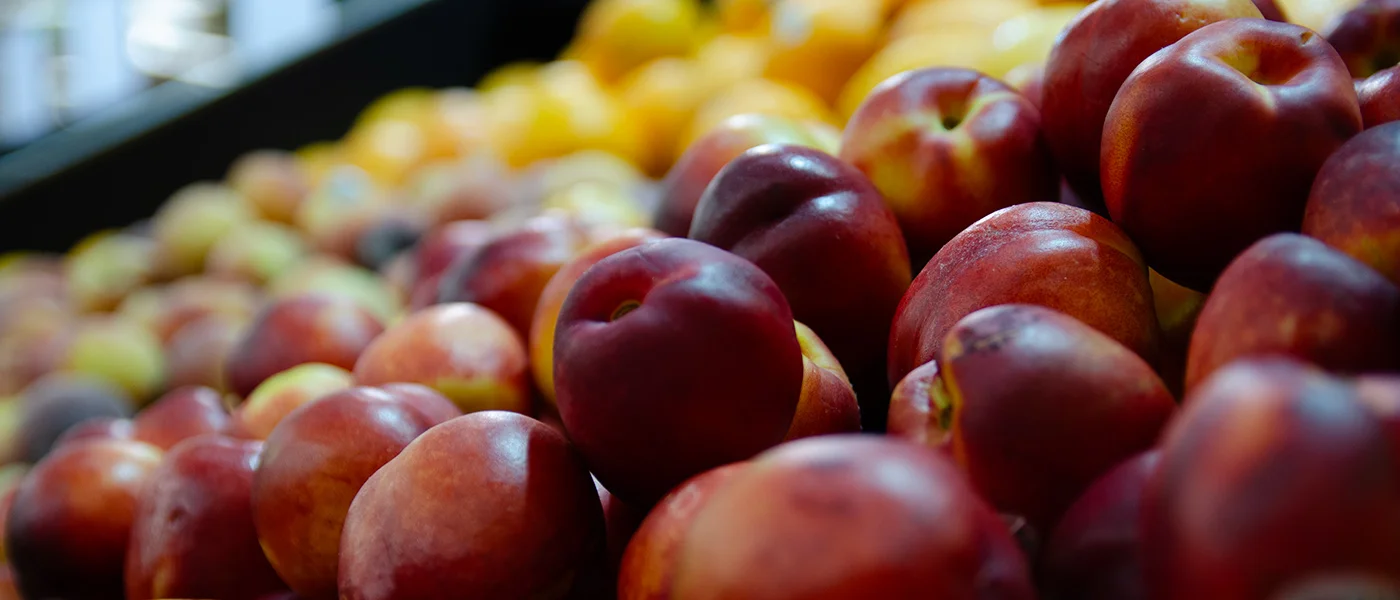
{"type": "Point", "coordinates": [1050, 254]}
{"type": "Point", "coordinates": [688, 178]}
{"type": "Point", "coordinates": [462, 350]}
{"type": "Point", "coordinates": [1276, 91]}
{"type": "Point", "coordinates": [907, 524]}
{"type": "Point", "coordinates": [434, 406]}
{"type": "Point", "coordinates": [1094, 55]}
{"type": "Point", "coordinates": [1379, 96]}
{"type": "Point", "coordinates": [546, 316]}
{"type": "Point", "coordinates": [67, 532]}
{"type": "Point", "coordinates": [1355, 202]}
{"type": "Point", "coordinates": [257, 252]}
{"type": "Point", "coordinates": [672, 315]}
{"type": "Point", "coordinates": [106, 266]}
{"type": "Point", "coordinates": [283, 393]}
{"type": "Point", "coordinates": [1086, 402]}
{"type": "Point", "coordinates": [121, 351]}
{"type": "Point", "coordinates": [648, 566]}
{"type": "Point", "coordinates": [533, 522]}
{"type": "Point", "coordinates": [1095, 552]}
{"type": "Point", "coordinates": [1273, 481]}
{"type": "Point", "coordinates": [828, 402]}
{"type": "Point", "coordinates": [197, 352]}
{"type": "Point", "coordinates": [180, 414]}
{"type": "Point", "coordinates": [298, 330]}
{"type": "Point", "coordinates": [1367, 37]}
{"type": "Point", "coordinates": [272, 182]}
{"type": "Point", "coordinates": [508, 273]}
{"type": "Point", "coordinates": [1292, 295]}
{"type": "Point", "coordinates": [192, 220]}
{"type": "Point", "coordinates": [786, 208]}
{"type": "Point", "coordinates": [314, 463]}
{"type": "Point", "coordinates": [193, 534]}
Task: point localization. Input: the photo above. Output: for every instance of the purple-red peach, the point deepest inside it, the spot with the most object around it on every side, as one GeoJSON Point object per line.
{"type": "Point", "coordinates": [1355, 202]}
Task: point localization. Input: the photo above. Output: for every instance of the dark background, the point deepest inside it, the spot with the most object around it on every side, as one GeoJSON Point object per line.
{"type": "Point", "coordinates": [117, 168]}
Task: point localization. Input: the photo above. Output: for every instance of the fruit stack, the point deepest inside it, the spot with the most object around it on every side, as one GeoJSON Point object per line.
{"type": "Point", "coordinates": [957, 299]}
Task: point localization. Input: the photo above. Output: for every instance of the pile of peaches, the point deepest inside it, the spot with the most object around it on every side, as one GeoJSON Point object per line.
{"type": "Point", "coordinates": [759, 300]}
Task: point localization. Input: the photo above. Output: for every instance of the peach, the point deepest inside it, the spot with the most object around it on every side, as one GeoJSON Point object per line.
{"type": "Point", "coordinates": [906, 524]}
{"type": "Point", "coordinates": [272, 182]}
{"type": "Point", "coordinates": [1094, 55]}
{"type": "Point", "coordinates": [197, 352]}
{"type": "Point", "coordinates": [298, 330]}
{"type": "Point", "coordinates": [1049, 254]}
{"type": "Point", "coordinates": [191, 299]}
{"type": "Point", "coordinates": [1290, 294]}
{"type": "Point", "coordinates": [1367, 37]}
{"type": "Point", "coordinates": [465, 352]}
{"type": "Point", "coordinates": [193, 534]}
{"type": "Point", "coordinates": [314, 463]}
{"type": "Point", "coordinates": [552, 299]}
{"type": "Point", "coordinates": [828, 402]}
{"type": "Point", "coordinates": [533, 522]}
{"type": "Point", "coordinates": [322, 275]}
{"type": "Point", "coordinates": [106, 266]}
{"type": "Point", "coordinates": [1273, 481]}
{"type": "Point", "coordinates": [257, 252]}
{"type": "Point", "coordinates": [121, 351]}
{"type": "Point", "coordinates": [1355, 202]}
{"type": "Point", "coordinates": [1086, 403]}
{"type": "Point", "coordinates": [665, 320]}
{"type": "Point", "coordinates": [192, 220]}
{"type": "Point", "coordinates": [1281, 98]}
{"type": "Point", "coordinates": [180, 414]}
{"type": "Point", "coordinates": [106, 428]}
{"type": "Point", "coordinates": [702, 160]}
{"type": "Point", "coordinates": [1270, 10]}
{"type": "Point", "coordinates": [1379, 96]}
{"type": "Point", "coordinates": [283, 393]}
{"type": "Point", "coordinates": [649, 564]}
{"type": "Point", "coordinates": [508, 273]}
{"type": "Point", "coordinates": [1095, 553]}
{"type": "Point", "coordinates": [57, 402]}
{"type": "Point", "coordinates": [838, 35]}
{"type": "Point", "coordinates": [67, 532]}
{"type": "Point", "coordinates": [434, 406]}
{"type": "Point", "coordinates": [475, 188]}
{"type": "Point", "coordinates": [786, 208]}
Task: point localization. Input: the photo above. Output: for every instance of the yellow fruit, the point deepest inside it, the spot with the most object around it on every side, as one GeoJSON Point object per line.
{"type": "Point", "coordinates": [564, 111]}
{"type": "Point", "coordinates": [318, 158]}
{"type": "Point", "coordinates": [509, 74]}
{"type": "Point", "coordinates": [387, 149]}
{"type": "Point", "coordinates": [616, 36]}
{"type": "Point", "coordinates": [599, 204]}
{"type": "Point", "coordinates": [743, 16]}
{"type": "Point", "coordinates": [729, 59]}
{"type": "Point", "coordinates": [933, 16]}
{"type": "Point", "coordinates": [964, 47]}
{"type": "Point", "coordinates": [121, 352]}
{"type": "Point", "coordinates": [106, 266]}
{"type": "Point", "coordinates": [818, 44]}
{"type": "Point", "coordinates": [661, 98]}
{"type": "Point", "coordinates": [1026, 38]}
{"type": "Point", "coordinates": [1315, 14]}
{"type": "Point", "coordinates": [756, 96]}
{"type": "Point", "coordinates": [193, 219]}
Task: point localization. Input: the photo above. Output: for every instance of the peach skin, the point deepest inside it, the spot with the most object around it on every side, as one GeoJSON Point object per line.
{"type": "Point", "coordinates": [1274, 482]}
{"type": "Point", "coordinates": [314, 463]}
{"type": "Point", "coordinates": [906, 523]}
{"type": "Point", "coordinates": [672, 358]}
{"type": "Point", "coordinates": [1379, 96]}
{"type": "Point", "coordinates": [1095, 553]}
{"type": "Point", "coordinates": [946, 147]}
{"type": "Point", "coordinates": [552, 299]}
{"type": "Point", "coordinates": [1094, 55]}
{"type": "Point", "coordinates": [283, 393]}
{"type": "Point", "coordinates": [702, 160]}
{"type": "Point", "coordinates": [1043, 253]}
{"type": "Point", "coordinates": [649, 564]}
{"type": "Point", "coordinates": [1275, 94]}
{"type": "Point", "coordinates": [1367, 37]}
{"type": "Point", "coordinates": [1355, 202]}
{"type": "Point", "coordinates": [462, 350]}
{"type": "Point", "coordinates": [301, 329]}
{"type": "Point", "coordinates": [180, 414]}
{"type": "Point", "coordinates": [193, 536]}
{"type": "Point", "coordinates": [1291, 295]}
{"type": "Point", "coordinates": [787, 208]}
{"type": "Point", "coordinates": [533, 522]}
{"type": "Point", "coordinates": [1035, 406]}
{"type": "Point", "coordinates": [828, 403]}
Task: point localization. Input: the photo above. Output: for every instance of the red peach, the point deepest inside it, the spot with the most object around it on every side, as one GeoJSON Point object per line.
{"type": "Point", "coordinates": [1379, 96]}
{"type": "Point", "coordinates": [676, 319]}
{"type": "Point", "coordinates": [1367, 37]}
{"type": "Point", "coordinates": [1035, 406]}
{"type": "Point", "coordinates": [546, 317]}
{"type": "Point", "coordinates": [904, 521]}
{"type": "Point", "coordinates": [1043, 253]}
{"type": "Point", "coordinates": [434, 406]}
{"type": "Point", "coordinates": [1273, 481]}
{"type": "Point", "coordinates": [68, 529]}
{"type": "Point", "coordinates": [104, 428]}
{"type": "Point", "coordinates": [301, 329]}
{"type": "Point", "coordinates": [314, 463]}
{"type": "Point", "coordinates": [786, 208]}
{"type": "Point", "coordinates": [828, 403]}
{"type": "Point", "coordinates": [948, 146]}
{"type": "Point", "coordinates": [649, 564]}
{"type": "Point", "coordinates": [1355, 202]}
{"type": "Point", "coordinates": [447, 243]}
{"type": "Point", "coordinates": [1276, 98]}
{"type": "Point", "coordinates": [688, 178]}
{"type": "Point", "coordinates": [532, 524]}
{"type": "Point", "coordinates": [193, 535]}
{"type": "Point", "coordinates": [1095, 552]}
{"type": "Point", "coordinates": [462, 350]}
{"type": "Point", "coordinates": [1090, 61]}
{"type": "Point", "coordinates": [1292, 295]}
{"type": "Point", "coordinates": [197, 352]}
{"type": "Point", "coordinates": [180, 414]}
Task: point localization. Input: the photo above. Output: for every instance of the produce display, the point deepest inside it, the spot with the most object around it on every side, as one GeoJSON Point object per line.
{"type": "Point", "coordinates": [756, 299]}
